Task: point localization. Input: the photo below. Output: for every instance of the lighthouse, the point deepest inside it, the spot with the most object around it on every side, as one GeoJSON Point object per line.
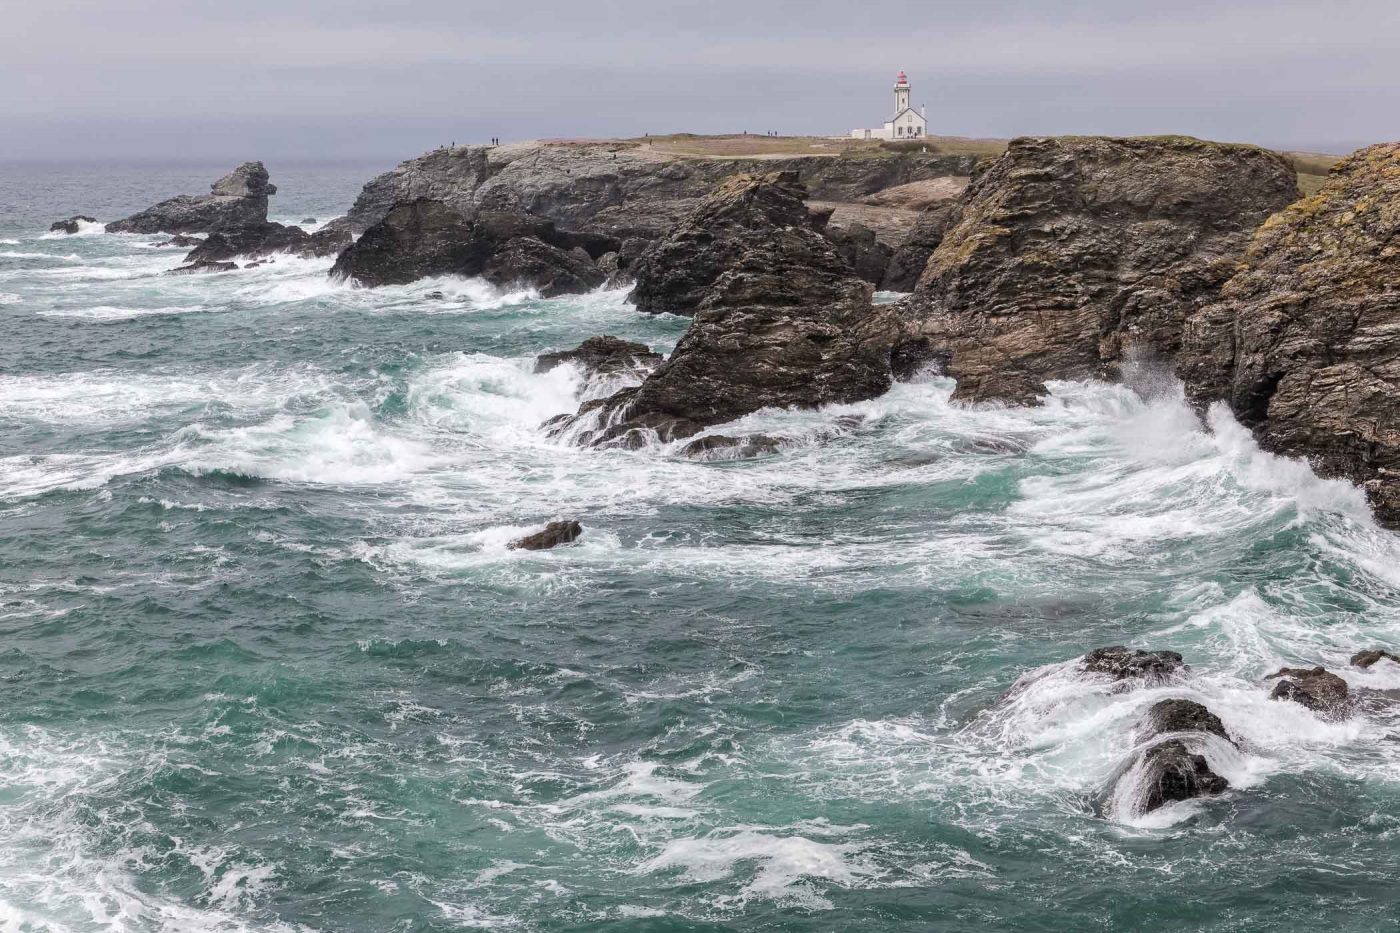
{"type": "Point", "coordinates": [901, 93]}
{"type": "Point", "coordinates": [907, 123]}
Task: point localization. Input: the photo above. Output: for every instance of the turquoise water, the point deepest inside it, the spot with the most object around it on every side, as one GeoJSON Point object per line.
{"type": "Point", "coordinates": [268, 664]}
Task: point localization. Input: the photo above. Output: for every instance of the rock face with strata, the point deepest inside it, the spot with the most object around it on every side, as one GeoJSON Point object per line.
{"type": "Point", "coordinates": [1304, 345]}
{"type": "Point", "coordinates": [780, 320]}
{"type": "Point", "coordinates": [237, 200]}
{"type": "Point", "coordinates": [1067, 255]}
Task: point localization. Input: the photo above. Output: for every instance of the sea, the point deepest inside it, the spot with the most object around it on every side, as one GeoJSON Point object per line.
{"type": "Point", "coordinates": [267, 662]}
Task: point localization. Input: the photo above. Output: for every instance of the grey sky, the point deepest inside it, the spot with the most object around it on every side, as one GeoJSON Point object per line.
{"type": "Point", "coordinates": [353, 79]}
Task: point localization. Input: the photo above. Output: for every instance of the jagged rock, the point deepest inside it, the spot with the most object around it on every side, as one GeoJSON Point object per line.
{"type": "Point", "coordinates": [204, 266]}
{"type": "Point", "coordinates": [724, 447]}
{"type": "Point", "coordinates": [604, 355]}
{"type": "Point", "coordinates": [263, 239]}
{"type": "Point", "coordinates": [619, 189]}
{"type": "Point", "coordinates": [780, 320]}
{"type": "Point", "coordinates": [239, 199]}
{"type": "Point", "coordinates": [1068, 255]}
{"type": "Point", "coordinates": [1121, 663]}
{"type": "Point", "coordinates": [553, 535]}
{"type": "Point", "coordinates": [1173, 772]}
{"type": "Point", "coordinates": [1365, 659]}
{"type": "Point", "coordinates": [1304, 346]}
{"type": "Point", "coordinates": [911, 257]}
{"type": "Point", "coordinates": [858, 246]}
{"type": "Point", "coordinates": [181, 241]}
{"type": "Point", "coordinates": [1316, 688]}
{"type": "Point", "coordinates": [70, 226]}
{"type": "Point", "coordinates": [549, 270]}
{"type": "Point", "coordinates": [754, 234]}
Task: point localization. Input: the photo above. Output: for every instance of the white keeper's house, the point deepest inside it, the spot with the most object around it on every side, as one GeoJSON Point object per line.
{"type": "Point", "coordinates": [907, 123]}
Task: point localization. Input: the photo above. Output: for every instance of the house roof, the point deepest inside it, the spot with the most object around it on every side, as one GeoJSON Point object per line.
{"type": "Point", "coordinates": [916, 113]}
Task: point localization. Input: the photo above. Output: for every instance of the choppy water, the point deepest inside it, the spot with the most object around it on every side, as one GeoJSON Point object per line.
{"type": "Point", "coordinates": [268, 665]}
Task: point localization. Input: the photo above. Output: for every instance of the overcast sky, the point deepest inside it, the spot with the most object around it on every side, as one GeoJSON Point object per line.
{"type": "Point", "coordinates": [386, 79]}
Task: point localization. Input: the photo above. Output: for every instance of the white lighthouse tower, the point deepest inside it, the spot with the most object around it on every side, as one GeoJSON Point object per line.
{"type": "Point", "coordinates": [907, 123]}
{"type": "Point", "coordinates": [901, 93]}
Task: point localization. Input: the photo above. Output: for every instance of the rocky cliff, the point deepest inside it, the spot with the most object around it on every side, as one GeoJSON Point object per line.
{"type": "Point", "coordinates": [1065, 255]}
{"type": "Point", "coordinates": [622, 189]}
{"type": "Point", "coordinates": [780, 320]}
{"type": "Point", "coordinates": [1304, 344]}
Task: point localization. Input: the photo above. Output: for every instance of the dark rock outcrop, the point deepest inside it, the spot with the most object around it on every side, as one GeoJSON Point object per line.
{"type": "Point", "coordinates": [71, 225]}
{"type": "Point", "coordinates": [553, 535]}
{"type": "Point", "coordinates": [755, 233]}
{"type": "Point", "coordinates": [181, 241]}
{"type": "Point", "coordinates": [1172, 772]}
{"type": "Point", "coordinates": [239, 199]}
{"type": "Point", "coordinates": [1303, 345]}
{"type": "Point", "coordinates": [425, 238]}
{"type": "Point", "coordinates": [1366, 659]}
{"type": "Point", "coordinates": [266, 238]}
{"type": "Point", "coordinates": [724, 447]}
{"type": "Point", "coordinates": [858, 246]}
{"type": "Point", "coordinates": [909, 260]}
{"type": "Point", "coordinates": [604, 355]}
{"type": "Point", "coordinates": [1067, 255]}
{"type": "Point", "coordinates": [780, 320]}
{"type": "Point", "coordinates": [532, 263]}
{"type": "Point", "coordinates": [1316, 688]}
{"type": "Point", "coordinates": [196, 268]}
{"type": "Point", "coordinates": [1170, 767]}
{"type": "Point", "coordinates": [1176, 715]}
{"type": "Point", "coordinates": [1122, 663]}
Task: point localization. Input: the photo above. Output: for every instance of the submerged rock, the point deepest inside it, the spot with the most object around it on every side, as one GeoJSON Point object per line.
{"type": "Point", "coordinates": [780, 320]}
{"type": "Point", "coordinates": [1067, 255]}
{"type": "Point", "coordinates": [71, 225]}
{"type": "Point", "coordinates": [239, 199]}
{"type": "Point", "coordinates": [553, 535]}
{"type": "Point", "coordinates": [603, 355]}
{"type": "Point", "coordinates": [1304, 346]}
{"type": "Point", "coordinates": [1365, 659]}
{"type": "Point", "coordinates": [1122, 663]}
{"type": "Point", "coordinates": [181, 241]}
{"type": "Point", "coordinates": [724, 447]}
{"type": "Point", "coordinates": [204, 266]}
{"type": "Point", "coordinates": [1316, 688]}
